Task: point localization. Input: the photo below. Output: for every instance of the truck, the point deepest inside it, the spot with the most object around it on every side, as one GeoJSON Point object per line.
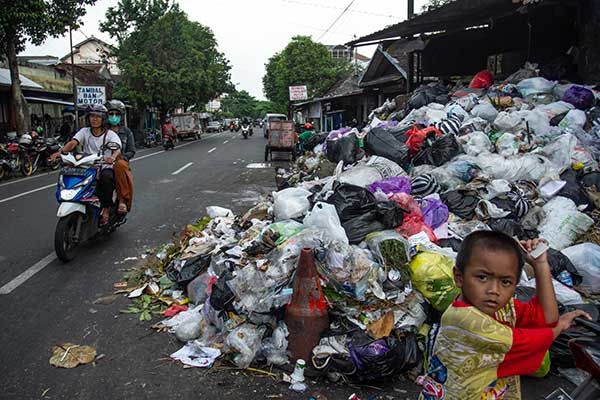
{"type": "Point", "coordinates": [187, 125]}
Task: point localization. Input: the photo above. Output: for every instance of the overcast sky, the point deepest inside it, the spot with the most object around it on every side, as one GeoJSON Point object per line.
{"type": "Point", "coordinates": [249, 32]}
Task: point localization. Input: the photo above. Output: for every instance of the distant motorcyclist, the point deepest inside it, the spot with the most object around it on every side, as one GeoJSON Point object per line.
{"type": "Point", "coordinates": [93, 138]}
{"type": "Point", "coordinates": [123, 175]}
{"type": "Point", "coordinates": [168, 129]}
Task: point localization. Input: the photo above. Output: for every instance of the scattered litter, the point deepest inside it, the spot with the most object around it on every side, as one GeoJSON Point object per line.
{"type": "Point", "coordinates": [69, 355]}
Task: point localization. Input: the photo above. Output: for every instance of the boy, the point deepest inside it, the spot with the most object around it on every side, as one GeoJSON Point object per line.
{"type": "Point", "coordinates": [487, 338]}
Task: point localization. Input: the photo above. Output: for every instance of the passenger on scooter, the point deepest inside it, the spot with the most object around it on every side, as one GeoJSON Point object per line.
{"type": "Point", "coordinates": [123, 175]}
{"type": "Point", "coordinates": [92, 139]}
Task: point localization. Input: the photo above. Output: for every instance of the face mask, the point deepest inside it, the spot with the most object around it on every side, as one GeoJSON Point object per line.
{"type": "Point", "coordinates": [114, 119]}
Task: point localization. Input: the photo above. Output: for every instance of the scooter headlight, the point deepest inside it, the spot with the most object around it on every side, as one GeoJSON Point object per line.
{"type": "Point", "coordinates": [68, 194]}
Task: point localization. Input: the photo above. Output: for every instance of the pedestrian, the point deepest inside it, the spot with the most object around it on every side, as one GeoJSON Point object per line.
{"type": "Point", "coordinates": [123, 175]}
{"type": "Point", "coordinates": [66, 129]}
{"type": "Point", "coordinates": [486, 338]}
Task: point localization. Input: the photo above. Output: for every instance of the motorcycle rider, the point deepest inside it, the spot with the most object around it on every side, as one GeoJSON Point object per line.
{"type": "Point", "coordinates": [92, 139]}
{"type": "Point", "coordinates": [123, 175]}
{"type": "Point", "coordinates": [168, 129]}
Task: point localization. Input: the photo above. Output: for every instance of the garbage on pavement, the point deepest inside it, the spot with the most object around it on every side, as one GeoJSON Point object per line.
{"type": "Point", "coordinates": [348, 263]}
{"type": "Point", "coordinates": [69, 355]}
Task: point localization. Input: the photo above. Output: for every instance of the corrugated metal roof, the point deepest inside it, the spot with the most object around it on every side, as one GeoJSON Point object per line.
{"type": "Point", "coordinates": [25, 82]}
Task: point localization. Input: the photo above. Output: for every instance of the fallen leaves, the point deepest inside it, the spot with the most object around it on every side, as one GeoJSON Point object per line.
{"type": "Point", "coordinates": [69, 355]}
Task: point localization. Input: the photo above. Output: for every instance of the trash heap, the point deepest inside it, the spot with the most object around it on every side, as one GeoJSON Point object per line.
{"type": "Point", "coordinates": [381, 213]}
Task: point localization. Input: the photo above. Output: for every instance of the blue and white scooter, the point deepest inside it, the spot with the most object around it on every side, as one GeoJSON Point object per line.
{"type": "Point", "coordinates": [79, 210]}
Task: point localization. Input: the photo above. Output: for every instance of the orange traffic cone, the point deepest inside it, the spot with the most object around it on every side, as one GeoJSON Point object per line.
{"type": "Point", "coordinates": [306, 315]}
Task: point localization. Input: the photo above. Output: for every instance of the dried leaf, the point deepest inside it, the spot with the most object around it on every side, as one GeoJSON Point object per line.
{"type": "Point", "coordinates": [69, 355]}
{"type": "Point", "coordinates": [382, 327]}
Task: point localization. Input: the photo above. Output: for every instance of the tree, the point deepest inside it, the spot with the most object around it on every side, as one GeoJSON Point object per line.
{"type": "Point", "coordinates": [433, 4]}
{"type": "Point", "coordinates": [131, 15]}
{"type": "Point", "coordinates": [33, 21]}
{"type": "Point", "coordinates": [302, 62]}
{"type": "Point", "coordinates": [238, 104]}
{"type": "Point", "coordinates": [166, 61]}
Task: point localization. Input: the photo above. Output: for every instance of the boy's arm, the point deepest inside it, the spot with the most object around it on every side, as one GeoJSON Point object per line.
{"type": "Point", "coordinates": [543, 281]}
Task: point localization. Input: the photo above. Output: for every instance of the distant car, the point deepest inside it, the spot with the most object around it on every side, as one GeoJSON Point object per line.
{"type": "Point", "coordinates": [214, 126]}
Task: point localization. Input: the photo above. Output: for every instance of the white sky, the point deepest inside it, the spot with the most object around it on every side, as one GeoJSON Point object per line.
{"type": "Point", "coordinates": [251, 31]}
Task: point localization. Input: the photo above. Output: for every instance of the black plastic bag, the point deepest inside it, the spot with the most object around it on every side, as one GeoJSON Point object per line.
{"type": "Point", "coordinates": [591, 180]}
{"type": "Point", "coordinates": [184, 271]}
{"type": "Point", "coordinates": [461, 203]}
{"type": "Point", "coordinates": [314, 141]}
{"type": "Point", "coordinates": [383, 143]}
{"type": "Point", "coordinates": [424, 95]}
{"type": "Point", "coordinates": [343, 149]}
{"type": "Point", "coordinates": [359, 227]}
{"type": "Point", "coordinates": [221, 296]}
{"type": "Point", "coordinates": [377, 359]}
{"type": "Point", "coordinates": [574, 191]}
{"type": "Point", "coordinates": [351, 201]}
{"type": "Point", "coordinates": [512, 228]}
{"type": "Point", "coordinates": [559, 263]}
{"type": "Point", "coordinates": [437, 150]}
{"type": "Point", "coordinates": [390, 214]}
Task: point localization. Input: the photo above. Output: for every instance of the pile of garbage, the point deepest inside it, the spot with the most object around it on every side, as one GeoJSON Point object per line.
{"type": "Point", "coordinates": [381, 213]}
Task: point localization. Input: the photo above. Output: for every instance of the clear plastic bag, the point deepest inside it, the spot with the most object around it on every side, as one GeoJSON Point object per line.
{"type": "Point", "coordinates": [585, 257]}
{"type": "Point", "coordinates": [274, 348]}
{"type": "Point", "coordinates": [390, 248]}
{"type": "Point", "coordinates": [291, 203]}
{"type": "Point", "coordinates": [535, 85]}
{"type": "Point", "coordinates": [507, 145]}
{"type": "Point", "coordinates": [244, 342]}
{"type": "Point", "coordinates": [324, 217]}
{"type": "Point", "coordinates": [476, 143]}
{"type": "Point", "coordinates": [485, 111]}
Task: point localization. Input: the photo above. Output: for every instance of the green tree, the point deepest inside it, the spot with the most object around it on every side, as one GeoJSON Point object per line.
{"type": "Point", "coordinates": [167, 60]}
{"type": "Point", "coordinates": [131, 15]}
{"type": "Point", "coordinates": [33, 21]}
{"type": "Point", "coordinates": [302, 62]}
{"type": "Point", "coordinates": [262, 107]}
{"type": "Point", "coordinates": [238, 104]}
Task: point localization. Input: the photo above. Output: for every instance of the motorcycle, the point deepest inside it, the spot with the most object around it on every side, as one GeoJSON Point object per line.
{"type": "Point", "coordinates": [79, 209]}
{"type": "Point", "coordinates": [40, 151]}
{"type": "Point", "coordinates": [13, 159]}
{"type": "Point", "coordinates": [168, 142]}
{"type": "Point", "coordinates": [246, 131]}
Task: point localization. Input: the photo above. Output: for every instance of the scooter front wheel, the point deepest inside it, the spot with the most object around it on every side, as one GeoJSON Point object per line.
{"type": "Point", "coordinates": [65, 244]}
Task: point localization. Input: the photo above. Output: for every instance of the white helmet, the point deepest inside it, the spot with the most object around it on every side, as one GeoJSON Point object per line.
{"type": "Point", "coordinates": [25, 139]}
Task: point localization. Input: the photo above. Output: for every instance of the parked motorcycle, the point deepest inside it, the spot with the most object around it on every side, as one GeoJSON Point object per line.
{"type": "Point", "coordinates": [13, 159]}
{"type": "Point", "coordinates": [79, 210]}
{"type": "Point", "coordinates": [40, 150]}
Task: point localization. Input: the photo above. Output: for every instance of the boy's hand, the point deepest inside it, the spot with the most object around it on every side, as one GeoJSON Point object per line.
{"type": "Point", "coordinates": [566, 320]}
{"type": "Point", "coordinates": [529, 246]}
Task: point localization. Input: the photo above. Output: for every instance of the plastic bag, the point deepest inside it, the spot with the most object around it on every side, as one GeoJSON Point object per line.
{"type": "Point", "coordinates": [508, 122]}
{"type": "Point", "coordinates": [560, 150]}
{"type": "Point", "coordinates": [182, 271]}
{"type": "Point", "coordinates": [383, 143]}
{"type": "Point", "coordinates": [344, 149]}
{"type": "Point", "coordinates": [351, 201]}
{"type": "Point", "coordinates": [359, 227]}
{"type": "Point", "coordinates": [390, 214]}
{"type": "Point", "coordinates": [574, 119]}
{"type": "Point", "coordinates": [461, 203]}
{"type": "Point", "coordinates": [274, 348]}
{"type": "Point", "coordinates": [482, 80]}
{"type": "Point", "coordinates": [435, 213]}
{"type": "Point", "coordinates": [387, 168]}
{"type": "Point", "coordinates": [360, 175]}
{"type": "Point", "coordinates": [244, 341]}
{"type": "Point", "coordinates": [485, 111]}
{"type": "Point", "coordinates": [428, 94]}
{"type": "Point", "coordinates": [221, 296]}
{"type": "Point", "coordinates": [413, 222]}
{"type": "Point", "coordinates": [390, 248]}
{"type": "Point", "coordinates": [431, 274]}
{"type": "Point", "coordinates": [395, 184]}
{"type": "Point", "coordinates": [476, 143]}
{"type": "Point", "coordinates": [291, 203]}
{"type": "Point", "coordinates": [216, 211]}
{"type": "Point", "coordinates": [416, 137]}
{"type": "Point", "coordinates": [497, 187]}
{"type": "Point", "coordinates": [324, 216]}
{"type": "Point", "coordinates": [199, 289]}
{"type": "Point", "coordinates": [424, 185]}
{"type": "Point", "coordinates": [581, 97]}
{"type": "Point", "coordinates": [562, 269]}
{"type": "Point", "coordinates": [574, 191]}
{"type": "Point", "coordinates": [378, 359]}
{"type": "Point", "coordinates": [437, 151]}
{"type": "Point", "coordinates": [535, 86]}
{"type": "Point", "coordinates": [283, 230]}
{"type": "Point", "coordinates": [563, 223]}
{"type": "Point", "coordinates": [585, 257]}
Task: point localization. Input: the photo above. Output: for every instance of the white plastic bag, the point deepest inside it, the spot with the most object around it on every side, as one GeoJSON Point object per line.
{"type": "Point", "coordinates": [509, 122]}
{"type": "Point", "coordinates": [245, 341]}
{"type": "Point", "coordinates": [290, 203]}
{"type": "Point", "coordinates": [563, 223]}
{"type": "Point", "coordinates": [536, 85]}
{"type": "Point", "coordinates": [507, 145]}
{"type": "Point", "coordinates": [360, 175]}
{"type": "Point", "coordinates": [485, 111]}
{"type": "Point", "coordinates": [564, 294]}
{"type": "Point", "coordinates": [476, 143]}
{"type": "Point", "coordinates": [560, 151]}
{"type": "Point", "coordinates": [324, 217]}
{"type": "Point", "coordinates": [216, 211]}
{"type": "Point", "coordinates": [585, 257]}
{"type": "Point", "coordinates": [496, 188]}
{"type": "Point", "coordinates": [553, 109]}
{"type": "Point", "coordinates": [574, 118]}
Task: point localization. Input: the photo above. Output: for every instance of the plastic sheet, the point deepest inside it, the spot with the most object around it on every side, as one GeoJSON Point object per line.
{"type": "Point", "coordinates": [431, 274]}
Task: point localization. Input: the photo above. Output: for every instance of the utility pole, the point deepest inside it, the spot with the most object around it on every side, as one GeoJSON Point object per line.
{"type": "Point", "coordinates": [73, 77]}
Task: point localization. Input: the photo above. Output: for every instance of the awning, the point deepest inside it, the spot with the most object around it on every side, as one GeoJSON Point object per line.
{"type": "Point", "coordinates": [26, 83]}
{"type": "Point", "coordinates": [48, 100]}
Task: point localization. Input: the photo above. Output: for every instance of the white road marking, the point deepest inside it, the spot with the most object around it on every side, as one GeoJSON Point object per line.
{"type": "Point", "coordinates": [28, 178]}
{"type": "Point", "coordinates": [213, 149]}
{"type": "Point", "coordinates": [225, 142]}
{"type": "Point", "coordinates": [27, 274]}
{"type": "Point", "coordinates": [182, 168]}
{"type": "Point", "coordinates": [16, 196]}
{"type": "Point", "coordinates": [258, 165]}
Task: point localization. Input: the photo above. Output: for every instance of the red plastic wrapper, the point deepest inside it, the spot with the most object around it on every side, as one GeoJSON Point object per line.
{"type": "Point", "coordinates": [174, 310]}
{"type": "Point", "coordinates": [417, 136]}
{"type": "Point", "coordinates": [482, 80]}
{"type": "Point", "coordinates": [413, 222]}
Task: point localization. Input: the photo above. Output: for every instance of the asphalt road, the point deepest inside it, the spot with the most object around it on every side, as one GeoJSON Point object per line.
{"type": "Point", "coordinates": [56, 303]}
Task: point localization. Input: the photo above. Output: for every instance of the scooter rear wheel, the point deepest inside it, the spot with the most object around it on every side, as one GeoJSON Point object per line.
{"type": "Point", "coordinates": [65, 246]}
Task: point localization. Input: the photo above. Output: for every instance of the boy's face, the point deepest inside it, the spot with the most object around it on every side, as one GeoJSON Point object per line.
{"type": "Point", "coordinates": [489, 279]}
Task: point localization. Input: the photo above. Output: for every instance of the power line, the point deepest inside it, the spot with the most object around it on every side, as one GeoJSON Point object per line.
{"type": "Point", "coordinates": [336, 20]}
{"type": "Point", "coordinates": [303, 3]}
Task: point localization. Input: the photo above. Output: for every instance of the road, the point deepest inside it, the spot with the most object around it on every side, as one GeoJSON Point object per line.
{"type": "Point", "coordinates": [45, 302]}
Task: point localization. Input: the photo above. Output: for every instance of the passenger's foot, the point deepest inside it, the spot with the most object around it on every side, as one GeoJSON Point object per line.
{"type": "Point", "coordinates": [104, 216]}
{"type": "Point", "coordinates": [122, 209]}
